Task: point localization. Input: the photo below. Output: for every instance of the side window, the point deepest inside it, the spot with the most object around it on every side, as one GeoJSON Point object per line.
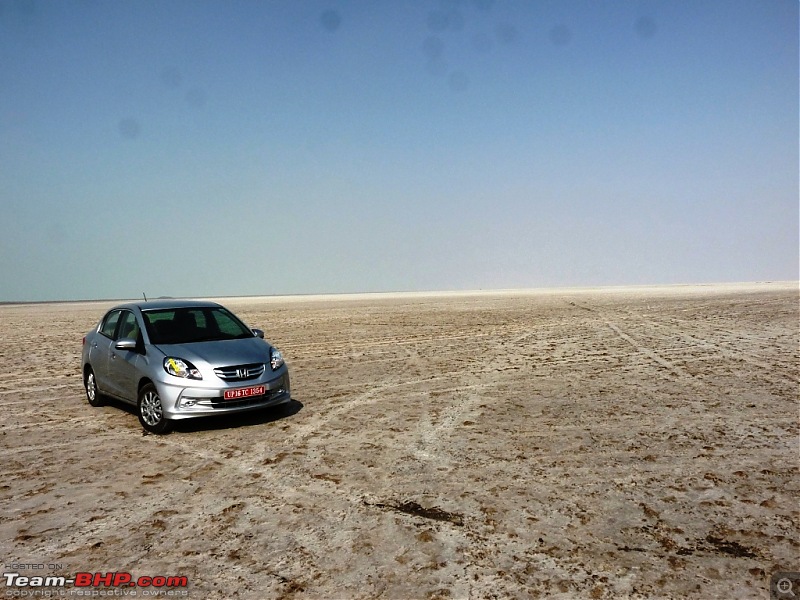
{"type": "Point", "coordinates": [128, 328]}
{"type": "Point", "coordinates": [110, 324]}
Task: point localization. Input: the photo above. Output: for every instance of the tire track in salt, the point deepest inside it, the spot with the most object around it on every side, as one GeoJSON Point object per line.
{"type": "Point", "coordinates": [726, 353]}
{"type": "Point", "coordinates": [653, 355]}
{"type": "Point", "coordinates": [640, 348]}
{"type": "Point", "coordinates": [693, 341]}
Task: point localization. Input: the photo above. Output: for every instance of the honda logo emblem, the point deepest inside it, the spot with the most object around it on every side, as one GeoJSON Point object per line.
{"type": "Point", "coordinates": [241, 373]}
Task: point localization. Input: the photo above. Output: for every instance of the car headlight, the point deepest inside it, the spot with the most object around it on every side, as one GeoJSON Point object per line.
{"type": "Point", "coordinates": [181, 368]}
{"type": "Point", "coordinates": [275, 359]}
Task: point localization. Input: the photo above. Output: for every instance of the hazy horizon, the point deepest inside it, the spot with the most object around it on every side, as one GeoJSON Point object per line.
{"type": "Point", "coordinates": [727, 286]}
{"type": "Point", "coordinates": [215, 149]}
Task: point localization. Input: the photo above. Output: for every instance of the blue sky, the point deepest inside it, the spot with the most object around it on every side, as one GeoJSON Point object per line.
{"type": "Point", "coordinates": [202, 148]}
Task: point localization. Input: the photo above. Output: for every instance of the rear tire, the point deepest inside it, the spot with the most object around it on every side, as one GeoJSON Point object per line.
{"type": "Point", "coordinates": [93, 394]}
{"type": "Point", "coordinates": [151, 412]}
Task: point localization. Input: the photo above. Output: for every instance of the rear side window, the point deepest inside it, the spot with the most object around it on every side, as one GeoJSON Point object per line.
{"type": "Point", "coordinates": [109, 325]}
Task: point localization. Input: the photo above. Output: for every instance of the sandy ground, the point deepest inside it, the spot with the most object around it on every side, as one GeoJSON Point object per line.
{"type": "Point", "coordinates": [612, 443]}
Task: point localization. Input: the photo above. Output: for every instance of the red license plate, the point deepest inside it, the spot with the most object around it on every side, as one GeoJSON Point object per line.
{"type": "Point", "coordinates": [256, 390]}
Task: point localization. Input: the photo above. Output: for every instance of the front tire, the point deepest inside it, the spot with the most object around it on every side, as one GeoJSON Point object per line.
{"type": "Point", "coordinates": [151, 413]}
{"type": "Point", "coordinates": [93, 394]}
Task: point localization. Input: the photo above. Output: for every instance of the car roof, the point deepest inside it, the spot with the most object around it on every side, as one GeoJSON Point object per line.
{"type": "Point", "coordinates": [168, 303]}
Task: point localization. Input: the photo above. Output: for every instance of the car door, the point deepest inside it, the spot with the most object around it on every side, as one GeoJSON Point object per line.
{"type": "Point", "coordinates": [122, 364]}
{"type": "Point", "coordinates": [100, 352]}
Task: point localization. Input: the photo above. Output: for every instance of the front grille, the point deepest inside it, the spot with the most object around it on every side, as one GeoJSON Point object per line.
{"type": "Point", "coordinates": [240, 372]}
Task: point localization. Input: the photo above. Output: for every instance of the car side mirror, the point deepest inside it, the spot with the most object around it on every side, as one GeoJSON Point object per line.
{"type": "Point", "coordinates": [126, 344]}
{"type": "Point", "coordinates": [258, 333]}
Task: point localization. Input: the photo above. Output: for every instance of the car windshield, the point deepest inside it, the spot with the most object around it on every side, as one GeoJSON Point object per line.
{"type": "Point", "coordinates": [195, 324]}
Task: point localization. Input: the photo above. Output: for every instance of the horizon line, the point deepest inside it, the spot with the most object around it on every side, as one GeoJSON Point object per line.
{"type": "Point", "coordinates": [422, 293]}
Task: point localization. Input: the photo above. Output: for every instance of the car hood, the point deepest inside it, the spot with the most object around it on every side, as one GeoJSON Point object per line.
{"type": "Point", "coordinates": [221, 353]}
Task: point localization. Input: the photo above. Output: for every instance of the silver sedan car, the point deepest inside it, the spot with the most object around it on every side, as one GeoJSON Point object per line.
{"type": "Point", "coordinates": [180, 359]}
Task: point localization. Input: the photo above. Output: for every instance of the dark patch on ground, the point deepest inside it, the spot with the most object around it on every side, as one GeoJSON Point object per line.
{"type": "Point", "coordinates": [412, 508]}
{"type": "Point", "coordinates": [732, 548]}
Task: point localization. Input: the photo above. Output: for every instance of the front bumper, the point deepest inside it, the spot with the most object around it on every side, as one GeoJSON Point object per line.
{"type": "Point", "coordinates": [180, 402]}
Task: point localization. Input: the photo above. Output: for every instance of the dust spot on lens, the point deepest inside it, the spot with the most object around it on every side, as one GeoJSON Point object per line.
{"type": "Point", "coordinates": [456, 21]}
{"type": "Point", "coordinates": [482, 43]}
{"type": "Point", "coordinates": [129, 128]}
{"type": "Point", "coordinates": [506, 33]}
{"type": "Point", "coordinates": [560, 35]}
{"type": "Point", "coordinates": [196, 98]}
{"type": "Point", "coordinates": [645, 28]}
{"type": "Point", "coordinates": [437, 21]}
{"type": "Point", "coordinates": [171, 77]}
{"type": "Point", "coordinates": [25, 7]}
{"type": "Point", "coordinates": [331, 20]}
{"type": "Point", "coordinates": [437, 68]}
{"type": "Point", "coordinates": [433, 48]}
{"type": "Point", "coordinates": [458, 81]}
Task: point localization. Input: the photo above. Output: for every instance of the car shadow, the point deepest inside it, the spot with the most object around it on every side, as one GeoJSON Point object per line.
{"type": "Point", "coordinates": [245, 419]}
{"type": "Point", "coordinates": [119, 405]}
{"type": "Point", "coordinates": [259, 416]}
